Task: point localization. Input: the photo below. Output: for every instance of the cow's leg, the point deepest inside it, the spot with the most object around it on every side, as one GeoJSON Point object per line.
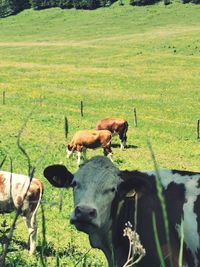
{"type": "Point", "coordinates": [31, 223]}
{"type": "Point", "coordinates": [79, 150]}
{"type": "Point", "coordinates": [108, 152]}
{"type": "Point", "coordinates": [69, 153]}
{"type": "Point", "coordinates": [79, 158]}
{"type": "Point", "coordinates": [123, 145]}
{"type": "Point", "coordinates": [110, 156]}
{"type": "Point", "coordinates": [123, 138]}
{"type": "Point", "coordinates": [84, 153]}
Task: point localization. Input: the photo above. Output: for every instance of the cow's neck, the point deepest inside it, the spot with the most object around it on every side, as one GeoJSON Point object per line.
{"type": "Point", "coordinates": [102, 239]}
{"type": "Point", "coordinates": [110, 239]}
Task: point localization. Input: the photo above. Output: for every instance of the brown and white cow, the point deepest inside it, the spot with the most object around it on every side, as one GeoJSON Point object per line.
{"type": "Point", "coordinates": [16, 191]}
{"type": "Point", "coordinates": [115, 126]}
{"type": "Point", "coordinates": [103, 205]}
{"type": "Point", "coordinates": [90, 139]}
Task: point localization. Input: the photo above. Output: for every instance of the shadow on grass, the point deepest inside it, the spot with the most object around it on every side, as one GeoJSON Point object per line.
{"type": "Point", "coordinates": [50, 250]}
{"type": "Point", "coordinates": [127, 147]}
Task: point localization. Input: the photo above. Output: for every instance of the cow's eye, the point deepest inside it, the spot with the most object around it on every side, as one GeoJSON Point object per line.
{"type": "Point", "coordinates": [73, 184]}
{"type": "Point", "coordinates": [112, 189]}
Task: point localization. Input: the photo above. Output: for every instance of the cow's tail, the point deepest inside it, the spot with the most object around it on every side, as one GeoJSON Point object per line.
{"type": "Point", "coordinates": [38, 203]}
{"type": "Point", "coordinates": [125, 130]}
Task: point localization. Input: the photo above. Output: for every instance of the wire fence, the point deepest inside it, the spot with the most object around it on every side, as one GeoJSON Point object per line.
{"type": "Point", "coordinates": [8, 231]}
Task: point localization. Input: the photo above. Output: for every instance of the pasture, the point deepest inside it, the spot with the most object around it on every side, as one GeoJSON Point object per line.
{"type": "Point", "coordinates": [113, 59]}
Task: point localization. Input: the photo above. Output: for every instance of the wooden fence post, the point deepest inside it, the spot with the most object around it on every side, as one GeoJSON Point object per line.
{"type": "Point", "coordinates": [81, 108]}
{"type": "Point", "coordinates": [134, 117]}
{"type": "Point", "coordinates": [4, 97]}
{"type": "Point", "coordinates": [198, 125]}
{"type": "Point", "coordinates": [66, 127]}
{"type": "Point", "coordinates": [60, 201]}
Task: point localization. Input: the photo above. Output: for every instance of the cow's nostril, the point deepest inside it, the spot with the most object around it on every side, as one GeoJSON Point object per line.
{"type": "Point", "coordinates": [93, 214]}
{"type": "Point", "coordinates": [85, 213]}
{"type": "Point", "coordinates": [78, 212]}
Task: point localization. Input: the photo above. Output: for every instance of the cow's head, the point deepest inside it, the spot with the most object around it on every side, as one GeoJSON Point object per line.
{"type": "Point", "coordinates": [96, 185]}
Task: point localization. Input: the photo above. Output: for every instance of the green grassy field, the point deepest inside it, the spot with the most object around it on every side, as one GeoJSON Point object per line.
{"type": "Point", "coordinates": [113, 59]}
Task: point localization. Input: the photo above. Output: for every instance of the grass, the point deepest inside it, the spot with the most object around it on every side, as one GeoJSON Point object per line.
{"type": "Point", "coordinates": [113, 59]}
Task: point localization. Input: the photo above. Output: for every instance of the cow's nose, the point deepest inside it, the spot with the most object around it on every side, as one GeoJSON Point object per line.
{"type": "Point", "coordinates": [85, 213]}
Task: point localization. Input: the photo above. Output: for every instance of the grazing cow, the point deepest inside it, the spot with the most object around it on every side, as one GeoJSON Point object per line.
{"type": "Point", "coordinates": [103, 203]}
{"type": "Point", "coordinates": [115, 126]}
{"type": "Point", "coordinates": [90, 139]}
{"type": "Point", "coordinates": [16, 191]}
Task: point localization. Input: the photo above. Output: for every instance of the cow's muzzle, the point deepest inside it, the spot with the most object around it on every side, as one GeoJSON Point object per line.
{"type": "Point", "coordinates": [84, 217]}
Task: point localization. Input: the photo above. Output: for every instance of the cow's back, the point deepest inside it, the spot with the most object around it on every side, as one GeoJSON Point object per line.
{"type": "Point", "coordinates": [6, 203]}
{"type": "Point", "coordinates": [182, 196]}
{"type": "Point", "coordinates": [88, 137]}
{"type": "Point", "coordinates": [111, 124]}
{"type": "Point", "coordinates": [13, 188]}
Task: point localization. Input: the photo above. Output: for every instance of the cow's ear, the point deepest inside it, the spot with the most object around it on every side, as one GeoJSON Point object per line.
{"type": "Point", "coordinates": [58, 175]}
{"type": "Point", "coordinates": [133, 182]}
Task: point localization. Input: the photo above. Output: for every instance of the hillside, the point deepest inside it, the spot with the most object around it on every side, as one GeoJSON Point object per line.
{"type": "Point", "coordinates": [113, 59]}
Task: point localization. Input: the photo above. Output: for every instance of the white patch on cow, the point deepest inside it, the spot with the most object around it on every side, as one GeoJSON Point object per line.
{"type": "Point", "coordinates": [191, 236]}
{"type": "Point", "coordinates": [12, 181]}
{"type": "Point", "coordinates": [110, 156]}
{"type": "Point", "coordinates": [123, 144]}
{"type": "Point", "coordinates": [69, 153]}
{"type": "Point", "coordinates": [79, 158]}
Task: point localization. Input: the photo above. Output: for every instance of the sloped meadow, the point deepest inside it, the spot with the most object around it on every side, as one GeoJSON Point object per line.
{"type": "Point", "coordinates": [113, 60]}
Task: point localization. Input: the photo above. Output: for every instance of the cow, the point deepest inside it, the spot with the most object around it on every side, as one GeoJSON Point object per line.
{"type": "Point", "coordinates": [115, 126]}
{"type": "Point", "coordinates": [19, 192]}
{"type": "Point", "coordinates": [90, 139]}
{"type": "Point", "coordinates": [104, 202]}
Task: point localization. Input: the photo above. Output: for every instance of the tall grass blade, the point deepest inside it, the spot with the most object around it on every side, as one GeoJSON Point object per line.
{"type": "Point", "coordinates": [30, 168]}
{"type": "Point", "coordinates": [83, 257]}
{"type": "Point", "coordinates": [160, 255]}
{"type": "Point", "coordinates": [60, 201]}
{"type": "Point", "coordinates": [162, 203]}
{"type": "Point", "coordinates": [180, 258]}
{"type": "Point", "coordinates": [41, 254]}
{"type": "Point", "coordinates": [44, 242]}
{"type": "Point", "coordinates": [3, 161]}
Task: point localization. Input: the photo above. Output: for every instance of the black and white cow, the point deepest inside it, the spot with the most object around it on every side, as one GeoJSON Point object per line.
{"type": "Point", "coordinates": [102, 207]}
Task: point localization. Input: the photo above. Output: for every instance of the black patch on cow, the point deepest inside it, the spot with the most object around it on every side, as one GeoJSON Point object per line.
{"type": "Point", "coordinates": [140, 182]}
{"type": "Point", "coordinates": [175, 198]}
{"type": "Point", "coordinates": [148, 203]}
{"type": "Point", "coordinates": [185, 173]}
{"type": "Point", "coordinates": [95, 144]}
{"type": "Point", "coordinates": [119, 220]}
{"type": "Point", "coordinates": [197, 211]}
{"type": "Point", "coordinates": [188, 256]}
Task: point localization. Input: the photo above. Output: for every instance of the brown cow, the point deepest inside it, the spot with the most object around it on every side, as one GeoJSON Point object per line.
{"type": "Point", "coordinates": [115, 126]}
{"type": "Point", "coordinates": [18, 191]}
{"type": "Point", "coordinates": [90, 139]}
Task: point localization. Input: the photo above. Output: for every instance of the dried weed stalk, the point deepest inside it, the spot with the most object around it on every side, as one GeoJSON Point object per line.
{"type": "Point", "coordinates": [135, 246]}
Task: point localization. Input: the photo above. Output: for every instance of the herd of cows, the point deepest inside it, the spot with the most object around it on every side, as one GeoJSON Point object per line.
{"type": "Point", "coordinates": [106, 199]}
{"type": "Point", "coordinates": [101, 137]}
